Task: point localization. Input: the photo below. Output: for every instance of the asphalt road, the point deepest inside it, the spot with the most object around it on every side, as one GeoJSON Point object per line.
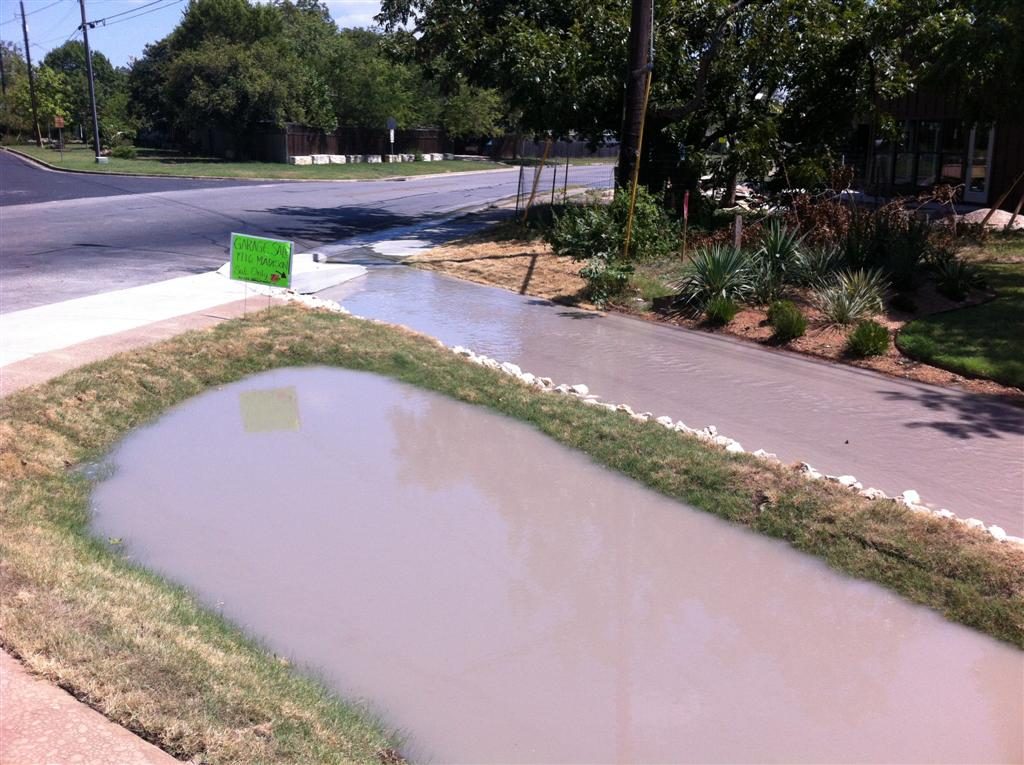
{"type": "Point", "coordinates": [22, 182]}
{"type": "Point", "coordinates": [97, 234]}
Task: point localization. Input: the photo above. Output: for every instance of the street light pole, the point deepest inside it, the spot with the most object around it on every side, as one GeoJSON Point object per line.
{"type": "Point", "coordinates": [92, 86]}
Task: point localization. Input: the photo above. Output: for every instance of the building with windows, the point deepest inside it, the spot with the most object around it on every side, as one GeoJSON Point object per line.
{"type": "Point", "coordinates": [937, 145]}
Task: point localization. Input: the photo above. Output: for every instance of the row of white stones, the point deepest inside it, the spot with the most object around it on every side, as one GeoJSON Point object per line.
{"type": "Point", "coordinates": [709, 434]}
{"type": "Point", "coordinates": [909, 498]}
{"type": "Point", "coordinates": [352, 159]}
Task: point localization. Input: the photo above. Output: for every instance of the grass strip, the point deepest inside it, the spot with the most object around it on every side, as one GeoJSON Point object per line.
{"type": "Point", "coordinates": [985, 341]}
{"type": "Point", "coordinates": [143, 652]}
{"type": "Point", "coordinates": [82, 158]}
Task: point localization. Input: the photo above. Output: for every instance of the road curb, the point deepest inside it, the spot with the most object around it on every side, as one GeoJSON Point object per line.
{"type": "Point", "coordinates": [42, 164]}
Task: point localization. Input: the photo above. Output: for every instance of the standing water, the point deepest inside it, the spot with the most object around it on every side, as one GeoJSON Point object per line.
{"type": "Point", "coordinates": [501, 598]}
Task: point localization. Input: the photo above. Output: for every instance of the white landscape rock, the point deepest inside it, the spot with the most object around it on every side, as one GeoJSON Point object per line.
{"type": "Point", "coordinates": [872, 493]}
{"type": "Point", "coordinates": [372, 159]}
{"type": "Point", "coordinates": [338, 159]}
{"type": "Point", "coordinates": [974, 523]}
{"type": "Point", "coordinates": [666, 421]}
{"type": "Point", "coordinates": [509, 368]}
{"type": "Point", "coordinates": [300, 160]}
{"type": "Point", "coordinates": [849, 481]}
{"type": "Point", "coordinates": [579, 389]}
{"type": "Point", "coordinates": [321, 159]}
{"type": "Point", "coordinates": [734, 448]}
{"type": "Point", "coordinates": [944, 513]}
{"type": "Point", "coordinates": [998, 533]}
{"type": "Point", "coordinates": [910, 497]}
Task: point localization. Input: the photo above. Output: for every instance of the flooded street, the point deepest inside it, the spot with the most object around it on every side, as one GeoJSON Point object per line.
{"type": "Point", "coordinates": [958, 451]}
{"type": "Point", "coordinates": [500, 598]}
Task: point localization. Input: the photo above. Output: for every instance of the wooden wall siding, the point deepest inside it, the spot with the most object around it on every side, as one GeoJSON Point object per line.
{"type": "Point", "coordinates": [1007, 162]}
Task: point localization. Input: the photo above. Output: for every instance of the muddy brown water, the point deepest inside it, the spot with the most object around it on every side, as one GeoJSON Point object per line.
{"type": "Point", "coordinates": [500, 598]}
{"type": "Point", "coordinates": [959, 451]}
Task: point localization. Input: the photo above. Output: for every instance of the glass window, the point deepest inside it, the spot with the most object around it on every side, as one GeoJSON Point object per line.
{"type": "Point", "coordinates": [979, 158]}
{"type": "Point", "coordinates": [904, 169]}
{"type": "Point", "coordinates": [954, 140]}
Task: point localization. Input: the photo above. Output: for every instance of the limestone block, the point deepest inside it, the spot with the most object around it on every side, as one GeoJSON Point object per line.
{"type": "Point", "coordinates": [300, 160]}
{"type": "Point", "coordinates": [338, 159]}
{"type": "Point", "coordinates": [373, 159]}
{"type": "Point", "coordinates": [321, 159]}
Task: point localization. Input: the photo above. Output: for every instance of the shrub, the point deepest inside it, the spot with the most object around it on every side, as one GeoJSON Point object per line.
{"type": "Point", "coordinates": [596, 233]}
{"type": "Point", "coordinates": [869, 338]}
{"type": "Point", "coordinates": [851, 296]}
{"type": "Point", "coordinates": [605, 279]}
{"type": "Point", "coordinates": [903, 302]}
{"type": "Point", "coordinates": [954, 278]}
{"type": "Point", "coordinates": [774, 263]}
{"type": "Point", "coordinates": [716, 271]}
{"type": "Point", "coordinates": [124, 151]}
{"type": "Point", "coordinates": [598, 230]}
{"type": "Point", "coordinates": [815, 265]}
{"type": "Point", "coordinates": [786, 320]}
{"type": "Point", "coordinates": [721, 310]}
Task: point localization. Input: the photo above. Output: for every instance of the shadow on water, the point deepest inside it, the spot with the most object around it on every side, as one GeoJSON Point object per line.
{"type": "Point", "coordinates": [966, 416]}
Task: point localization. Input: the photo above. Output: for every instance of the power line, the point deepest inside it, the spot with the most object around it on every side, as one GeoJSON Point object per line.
{"type": "Point", "coordinates": [37, 10]}
{"type": "Point", "coordinates": [134, 12]}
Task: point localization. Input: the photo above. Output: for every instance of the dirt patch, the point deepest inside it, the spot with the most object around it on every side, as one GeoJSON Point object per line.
{"type": "Point", "coordinates": [529, 267]}
{"type": "Point", "coordinates": [526, 267]}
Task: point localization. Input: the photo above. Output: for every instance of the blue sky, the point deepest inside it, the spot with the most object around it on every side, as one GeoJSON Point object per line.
{"type": "Point", "coordinates": [52, 22]}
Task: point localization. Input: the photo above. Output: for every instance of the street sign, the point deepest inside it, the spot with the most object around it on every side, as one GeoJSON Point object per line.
{"type": "Point", "coordinates": [58, 122]}
{"type": "Point", "coordinates": [261, 261]}
{"type": "Point", "coordinates": [392, 123]}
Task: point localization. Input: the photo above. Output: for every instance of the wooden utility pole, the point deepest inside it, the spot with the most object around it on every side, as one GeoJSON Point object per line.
{"type": "Point", "coordinates": [3, 73]}
{"type": "Point", "coordinates": [31, 78]}
{"type": "Point", "coordinates": [641, 57]}
{"type": "Point", "coordinates": [92, 86]}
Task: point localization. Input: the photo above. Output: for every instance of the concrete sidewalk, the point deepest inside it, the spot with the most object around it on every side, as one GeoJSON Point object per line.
{"type": "Point", "coordinates": [41, 724]}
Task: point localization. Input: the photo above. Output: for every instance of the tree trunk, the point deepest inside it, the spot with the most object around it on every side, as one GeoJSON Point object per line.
{"type": "Point", "coordinates": [639, 59]}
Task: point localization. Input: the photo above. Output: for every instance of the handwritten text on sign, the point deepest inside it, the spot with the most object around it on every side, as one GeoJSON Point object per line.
{"type": "Point", "coordinates": [259, 260]}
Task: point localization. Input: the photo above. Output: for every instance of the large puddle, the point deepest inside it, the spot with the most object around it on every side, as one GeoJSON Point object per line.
{"type": "Point", "coordinates": [500, 598]}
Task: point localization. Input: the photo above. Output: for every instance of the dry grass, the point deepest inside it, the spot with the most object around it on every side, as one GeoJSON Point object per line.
{"type": "Point", "coordinates": [146, 654]}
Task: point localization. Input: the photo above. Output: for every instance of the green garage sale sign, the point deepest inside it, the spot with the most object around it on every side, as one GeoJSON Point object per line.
{"type": "Point", "coordinates": [262, 261]}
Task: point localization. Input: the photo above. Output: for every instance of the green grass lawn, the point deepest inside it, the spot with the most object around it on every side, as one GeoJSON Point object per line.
{"type": "Point", "coordinates": [985, 340]}
{"type": "Point", "coordinates": [79, 157]}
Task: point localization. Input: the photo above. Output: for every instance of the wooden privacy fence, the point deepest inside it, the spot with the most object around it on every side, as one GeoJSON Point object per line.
{"type": "Point", "coordinates": [303, 141]}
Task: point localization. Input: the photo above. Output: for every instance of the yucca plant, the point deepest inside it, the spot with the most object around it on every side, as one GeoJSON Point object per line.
{"type": "Point", "coordinates": [775, 262]}
{"type": "Point", "coordinates": [851, 296]}
{"type": "Point", "coordinates": [716, 271]}
{"type": "Point", "coordinates": [954, 278]}
{"type": "Point", "coordinates": [815, 265]}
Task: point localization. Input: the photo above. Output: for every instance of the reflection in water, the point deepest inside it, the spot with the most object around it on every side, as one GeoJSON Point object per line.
{"type": "Point", "coordinates": [271, 409]}
{"type": "Point", "coordinates": [503, 599]}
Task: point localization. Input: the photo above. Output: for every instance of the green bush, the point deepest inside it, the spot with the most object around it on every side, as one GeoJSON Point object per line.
{"type": "Point", "coordinates": [954, 278]}
{"type": "Point", "coordinates": [124, 151]}
{"type": "Point", "coordinates": [787, 321]}
{"type": "Point", "coordinates": [718, 271]}
{"type": "Point", "coordinates": [596, 233]}
{"type": "Point", "coordinates": [720, 310]}
{"type": "Point", "coordinates": [851, 296]}
{"type": "Point", "coordinates": [869, 338]}
{"type": "Point", "coordinates": [605, 279]}
{"type": "Point", "coordinates": [597, 230]}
